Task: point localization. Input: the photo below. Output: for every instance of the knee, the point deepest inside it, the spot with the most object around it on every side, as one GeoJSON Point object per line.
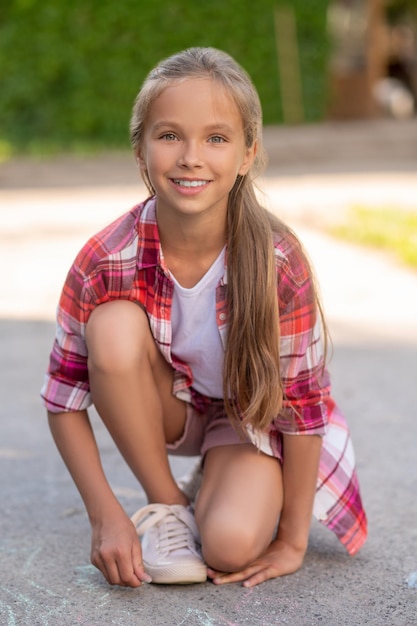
{"type": "Point", "coordinates": [117, 336]}
{"type": "Point", "coordinates": [230, 548]}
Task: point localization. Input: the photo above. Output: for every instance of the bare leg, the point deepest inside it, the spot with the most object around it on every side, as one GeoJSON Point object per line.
{"type": "Point", "coordinates": [238, 506]}
{"type": "Point", "coordinates": [131, 386]}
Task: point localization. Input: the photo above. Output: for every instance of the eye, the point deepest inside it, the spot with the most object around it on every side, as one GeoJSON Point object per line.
{"type": "Point", "coordinates": [168, 137]}
{"type": "Point", "coordinates": [217, 139]}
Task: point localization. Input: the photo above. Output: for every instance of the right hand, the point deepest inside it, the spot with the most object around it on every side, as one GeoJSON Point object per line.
{"type": "Point", "coordinates": [116, 551]}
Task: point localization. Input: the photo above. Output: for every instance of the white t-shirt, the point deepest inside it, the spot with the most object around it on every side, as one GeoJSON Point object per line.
{"type": "Point", "coordinates": [195, 335]}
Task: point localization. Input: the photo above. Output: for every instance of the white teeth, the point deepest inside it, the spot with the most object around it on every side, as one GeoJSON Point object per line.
{"type": "Point", "coordinates": [190, 183]}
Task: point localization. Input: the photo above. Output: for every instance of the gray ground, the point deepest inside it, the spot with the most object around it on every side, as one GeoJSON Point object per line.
{"type": "Point", "coordinates": [47, 210]}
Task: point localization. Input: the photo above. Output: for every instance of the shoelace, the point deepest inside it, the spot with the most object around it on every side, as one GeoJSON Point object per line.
{"type": "Point", "coordinates": [176, 536]}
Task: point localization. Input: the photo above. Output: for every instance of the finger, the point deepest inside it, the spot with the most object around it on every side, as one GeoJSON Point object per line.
{"type": "Point", "coordinates": [236, 577]}
{"type": "Point", "coordinates": [259, 578]}
{"type": "Point", "coordinates": [138, 567]}
{"type": "Point", "coordinates": [98, 563]}
{"type": "Point", "coordinates": [141, 574]}
{"type": "Point", "coordinates": [127, 574]}
{"type": "Point", "coordinates": [130, 566]}
{"type": "Point", "coordinates": [111, 574]}
{"type": "Point", "coordinates": [117, 571]}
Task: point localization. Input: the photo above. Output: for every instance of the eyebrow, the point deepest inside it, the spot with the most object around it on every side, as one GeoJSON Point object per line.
{"type": "Point", "coordinates": [225, 128]}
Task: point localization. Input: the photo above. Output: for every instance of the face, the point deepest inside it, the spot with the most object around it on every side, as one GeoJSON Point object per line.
{"type": "Point", "coordinates": [194, 148]}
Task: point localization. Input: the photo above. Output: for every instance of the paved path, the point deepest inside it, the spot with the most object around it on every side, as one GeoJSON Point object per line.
{"type": "Point", "coordinates": [371, 303]}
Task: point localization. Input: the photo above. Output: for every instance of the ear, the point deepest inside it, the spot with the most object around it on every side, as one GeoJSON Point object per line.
{"type": "Point", "coordinates": [140, 159]}
{"type": "Point", "coordinates": [248, 159]}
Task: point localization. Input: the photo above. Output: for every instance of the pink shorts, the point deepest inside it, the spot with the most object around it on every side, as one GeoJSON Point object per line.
{"type": "Point", "coordinates": [205, 431]}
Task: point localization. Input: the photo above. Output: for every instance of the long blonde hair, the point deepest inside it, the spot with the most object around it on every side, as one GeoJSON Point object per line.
{"type": "Point", "coordinates": [252, 387]}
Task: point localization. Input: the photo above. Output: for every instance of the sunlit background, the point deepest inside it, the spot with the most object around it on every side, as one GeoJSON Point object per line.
{"type": "Point", "coordinates": [338, 85]}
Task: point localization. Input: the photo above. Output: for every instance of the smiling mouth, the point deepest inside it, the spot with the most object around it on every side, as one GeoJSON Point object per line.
{"type": "Point", "coordinates": [190, 183]}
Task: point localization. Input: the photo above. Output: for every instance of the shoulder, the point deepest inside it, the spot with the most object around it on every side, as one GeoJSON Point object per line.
{"type": "Point", "coordinates": [291, 260]}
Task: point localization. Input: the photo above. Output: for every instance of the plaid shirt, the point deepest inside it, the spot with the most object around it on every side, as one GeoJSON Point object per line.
{"type": "Point", "coordinates": [125, 261]}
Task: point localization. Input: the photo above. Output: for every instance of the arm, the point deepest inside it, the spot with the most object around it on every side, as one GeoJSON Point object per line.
{"type": "Point", "coordinates": [300, 471]}
{"type": "Point", "coordinates": [115, 549]}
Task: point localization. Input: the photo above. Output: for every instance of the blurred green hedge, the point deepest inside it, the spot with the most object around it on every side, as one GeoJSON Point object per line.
{"type": "Point", "coordinates": [69, 71]}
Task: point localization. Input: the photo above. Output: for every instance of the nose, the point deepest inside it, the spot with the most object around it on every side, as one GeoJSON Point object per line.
{"type": "Point", "coordinates": [190, 155]}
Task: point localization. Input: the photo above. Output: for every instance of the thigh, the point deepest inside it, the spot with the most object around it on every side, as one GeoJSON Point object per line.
{"type": "Point", "coordinates": [121, 346]}
{"type": "Point", "coordinates": [241, 493]}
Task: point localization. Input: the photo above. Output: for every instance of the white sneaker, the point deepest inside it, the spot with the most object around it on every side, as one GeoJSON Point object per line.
{"type": "Point", "coordinates": [170, 539]}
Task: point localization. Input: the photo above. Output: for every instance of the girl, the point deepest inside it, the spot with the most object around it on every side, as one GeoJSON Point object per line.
{"type": "Point", "coordinates": [193, 325]}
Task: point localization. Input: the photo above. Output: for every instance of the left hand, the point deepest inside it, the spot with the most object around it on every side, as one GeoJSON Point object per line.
{"type": "Point", "coordinates": [279, 559]}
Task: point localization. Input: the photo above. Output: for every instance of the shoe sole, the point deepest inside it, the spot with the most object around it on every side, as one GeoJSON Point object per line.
{"type": "Point", "coordinates": [176, 575]}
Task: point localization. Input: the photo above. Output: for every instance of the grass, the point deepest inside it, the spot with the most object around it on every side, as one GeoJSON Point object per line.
{"type": "Point", "coordinates": [386, 228]}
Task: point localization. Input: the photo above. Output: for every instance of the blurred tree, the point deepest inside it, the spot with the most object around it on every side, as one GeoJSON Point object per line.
{"type": "Point", "coordinates": [69, 71]}
{"type": "Point", "coordinates": [400, 10]}
{"type": "Point", "coordinates": [358, 58]}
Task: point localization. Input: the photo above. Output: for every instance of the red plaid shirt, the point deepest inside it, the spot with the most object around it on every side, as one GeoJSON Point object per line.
{"type": "Point", "coordinates": [125, 261]}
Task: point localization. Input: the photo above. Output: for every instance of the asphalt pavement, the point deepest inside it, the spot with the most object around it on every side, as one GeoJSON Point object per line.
{"type": "Point", "coordinates": [47, 210]}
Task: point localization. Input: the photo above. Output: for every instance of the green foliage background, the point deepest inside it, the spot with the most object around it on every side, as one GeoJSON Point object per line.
{"type": "Point", "coordinates": [70, 69]}
{"type": "Point", "coordinates": [401, 11]}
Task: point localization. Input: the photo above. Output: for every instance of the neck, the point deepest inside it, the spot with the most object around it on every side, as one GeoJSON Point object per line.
{"type": "Point", "coordinates": [190, 245]}
{"type": "Point", "coordinates": [191, 235]}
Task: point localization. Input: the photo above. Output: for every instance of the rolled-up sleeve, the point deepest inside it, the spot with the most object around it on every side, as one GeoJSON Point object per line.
{"type": "Point", "coordinates": [66, 386]}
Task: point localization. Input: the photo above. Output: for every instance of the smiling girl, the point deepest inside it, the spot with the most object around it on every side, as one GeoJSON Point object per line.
{"type": "Point", "coordinates": [193, 325]}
